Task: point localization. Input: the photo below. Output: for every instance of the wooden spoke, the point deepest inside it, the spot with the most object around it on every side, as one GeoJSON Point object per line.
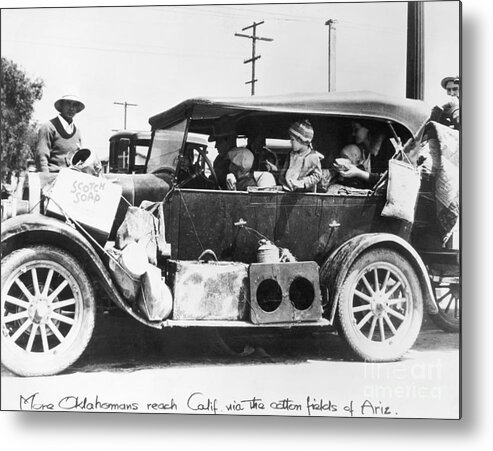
{"type": "Point", "coordinates": [365, 320]}
{"type": "Point", "coordinates": [396, 301]}
{"type": "Point", "coordinates": [57, 291]}
{"type": "Point", "coordinates": [46, 288]}
{"type": "Point", "coordinates": [361, 308]}
{"type": "Point", "coordinates": [449, 303]}
{"type": "Point", "coordinates": [34, 275]}
{"type": "Point", "coordinates": [385, 281]}
{"type": "Point", "coordinates": [44, 338]}
{"type": "Point", "coordinates": [372, 328]}
{"type": "Point", "coordinates": [367, 285]}
{"type": "Point", "coordinates": [375, 274]}
{"type": "Point", "coordinates": [16, 316]}
{"type": "Point", "coordinates": [392, 290]}
{"type": "Point", "coordinates": [32, 336]}
{"type": "Point", "coordinates": [61, 304]}
{"type": "Point", "coordinates": [55, 330]}
{"type": "Point", "coordinates": [24, 289]}
{"type": "Point", "coordinates": [62, 318]}
{"type": "Point", "coordinates": [396, 314]}
{"type": "Point", "coordinates": [21, 330]}
{"type": "Point", "coordinates": [390, 324]}
{"type": "Point", "coordinates": [15, 301]}
{"type": "Point", "coordinates": [443, 296]}
{"type": "Point", "coordinates": [381, 327]}
{"type": "Point", "coordinates": [362, 296]}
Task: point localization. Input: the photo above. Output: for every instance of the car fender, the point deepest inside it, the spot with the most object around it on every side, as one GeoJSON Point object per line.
{"type": "Point", "coordinates": [34, 229]}
{"type": "Point", "coordinates": [335, 269]}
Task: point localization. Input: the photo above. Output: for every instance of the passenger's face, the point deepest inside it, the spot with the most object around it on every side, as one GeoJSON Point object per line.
{"type": "Point", "coordinates": [69, 109]}
{"type": "Point", "coordinates": [360, 133]}
{"type": "Point", "coordinates": [452, 89]}
{"type": "Point", "coordinates": [297, 145]}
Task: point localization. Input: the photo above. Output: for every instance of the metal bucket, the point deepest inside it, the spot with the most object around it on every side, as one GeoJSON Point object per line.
{"type": "Point", "coordinates": [267, 252]}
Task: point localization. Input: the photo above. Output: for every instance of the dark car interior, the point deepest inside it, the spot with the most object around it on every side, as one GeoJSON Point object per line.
{"type": "Point", "coordinates": [259, 130]}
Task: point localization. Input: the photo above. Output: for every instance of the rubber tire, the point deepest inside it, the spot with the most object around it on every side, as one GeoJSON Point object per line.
{"type": "Point", "coordinates": [23, 363]}
{"type": "Point", "coordinates": [444, 322]}
{"type": "Point", "coordinates": [365, 349]}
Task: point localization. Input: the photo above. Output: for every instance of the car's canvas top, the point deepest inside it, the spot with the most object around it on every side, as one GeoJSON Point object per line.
{"type": "Point", "coordinates": [410, 113]}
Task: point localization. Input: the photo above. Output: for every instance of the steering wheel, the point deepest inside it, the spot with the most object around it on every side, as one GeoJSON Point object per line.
{"type": "Point", "coordinates": [196, 170]}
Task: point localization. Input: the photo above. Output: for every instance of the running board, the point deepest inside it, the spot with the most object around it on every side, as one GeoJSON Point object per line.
{"type": "Point", "coordinates": [229, 323]}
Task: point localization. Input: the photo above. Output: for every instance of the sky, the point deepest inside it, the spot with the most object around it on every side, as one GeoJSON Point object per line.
{"type": "Point", "coordinates": [157, 56]}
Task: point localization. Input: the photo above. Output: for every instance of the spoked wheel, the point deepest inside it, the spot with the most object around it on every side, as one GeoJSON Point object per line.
{"type": "Point", "coordinates": [447, 297]}
{"type": "Point", "coordinates": [380, 306]}
{"type": "Point", "coordinates": [48, 311]}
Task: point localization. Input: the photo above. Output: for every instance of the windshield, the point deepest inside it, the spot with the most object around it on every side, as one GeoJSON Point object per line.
{"type": "Point", "coordinates": [166, 147]}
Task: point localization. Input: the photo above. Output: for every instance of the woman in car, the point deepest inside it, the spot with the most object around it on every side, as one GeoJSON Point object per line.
{"type": "Point", "coordinates": [372, 139]}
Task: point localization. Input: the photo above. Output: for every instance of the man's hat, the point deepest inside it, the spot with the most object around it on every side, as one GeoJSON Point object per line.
{"type": "Point", "coordinates": [241, 157]}
{"type": "Point", "coordinates": [222, 127]}
{"type": "Point", "coordinates": [71, 98]}
{"type": "Point", "coordinates": [447, 79]}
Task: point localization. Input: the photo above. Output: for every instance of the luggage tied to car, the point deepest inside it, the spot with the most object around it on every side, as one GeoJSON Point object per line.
{"type": "Point", "coordinates": [141, 225]}
{"type": "Point", "coordinates": [440, 157]}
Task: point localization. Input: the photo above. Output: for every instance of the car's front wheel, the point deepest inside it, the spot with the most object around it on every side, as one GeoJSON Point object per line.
{"type": "Point", "coordinates": [380, 306]}
{"type": "Point", "coordinates": [48, 310]}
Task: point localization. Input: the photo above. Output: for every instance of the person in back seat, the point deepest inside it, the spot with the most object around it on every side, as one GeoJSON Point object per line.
{"type": "Point", "coordinates": [302, 169]}
{"type": "Point", "coordinates": [372, 139]}
{"type": "Point", "coordinates": [240, 175]}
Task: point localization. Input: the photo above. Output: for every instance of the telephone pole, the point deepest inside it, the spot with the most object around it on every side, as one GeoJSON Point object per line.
{"type": "Point", "coordinates": [415, 68]}
{"type": "Point", "coordinates": [125, 105]}
{"type": "Point", "coordinates": [254, 57]}
{"type": "Point", "coordinates": [331, 48]}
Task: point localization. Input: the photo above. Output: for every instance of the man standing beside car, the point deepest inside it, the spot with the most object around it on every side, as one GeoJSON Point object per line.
{"type": "Point", "coordinates": [451, 109]}
{"type": "Point", "coordinates": [59, 138]}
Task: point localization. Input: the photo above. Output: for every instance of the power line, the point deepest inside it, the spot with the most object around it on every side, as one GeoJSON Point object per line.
{"type": "Point", "coordinates": [125, 105]}
{"type": "Point", "coordinates": [254, 57]}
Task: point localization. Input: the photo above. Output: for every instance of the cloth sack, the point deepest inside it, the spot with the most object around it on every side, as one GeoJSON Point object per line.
{"type": "Point", "coordinates": [145, 225]}
{"type": "Point", "coordinates": [402, 190]}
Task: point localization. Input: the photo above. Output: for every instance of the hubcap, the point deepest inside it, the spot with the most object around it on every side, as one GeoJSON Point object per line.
{"type": "Point", "coordinates": [39, 311]}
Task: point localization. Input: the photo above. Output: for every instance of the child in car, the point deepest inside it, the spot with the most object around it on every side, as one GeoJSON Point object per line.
{"type": "Point", "coordinates": [302, 169]}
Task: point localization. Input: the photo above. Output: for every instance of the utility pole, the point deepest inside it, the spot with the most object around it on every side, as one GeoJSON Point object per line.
{"type": "Point", "coordinates": [254, 57]}
{"type": "Point", "coordinates": [331, 76]}
{"type": "Point", "coordinates": [125, 105]}
{"type": "Point", "coordinates": [415, 51]}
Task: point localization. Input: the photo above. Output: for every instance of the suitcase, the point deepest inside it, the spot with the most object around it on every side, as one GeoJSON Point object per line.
{"type": "Point", "coordinates": [208, 291]}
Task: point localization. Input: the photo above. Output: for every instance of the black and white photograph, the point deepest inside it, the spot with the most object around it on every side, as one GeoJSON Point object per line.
{"type": "Point", "coordinates": [232, 209]}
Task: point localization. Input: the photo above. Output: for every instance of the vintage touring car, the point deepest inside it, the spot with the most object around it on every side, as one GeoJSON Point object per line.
{"type": "Point", "coordinates": [371, 276]}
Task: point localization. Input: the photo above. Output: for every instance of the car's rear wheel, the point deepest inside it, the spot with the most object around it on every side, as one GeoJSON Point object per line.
{"type": "Point", "coordinates": [447, 297]}
{"type": "Point", "coordinates": [380, 306]}
{"type": "Point", "coordinates": [48, 310]}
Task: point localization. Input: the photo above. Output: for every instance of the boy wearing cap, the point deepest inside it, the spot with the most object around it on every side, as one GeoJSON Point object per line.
{"type": "Point", "coordinates": [59, 138]}
{"type": "Point", "coordinates": [302, 169]}
{"type": "Point", "coordinates": [240, 167]}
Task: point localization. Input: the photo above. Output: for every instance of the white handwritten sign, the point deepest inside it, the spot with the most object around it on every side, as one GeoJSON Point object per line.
{"type": "Point", "coordinates": [92, 201]}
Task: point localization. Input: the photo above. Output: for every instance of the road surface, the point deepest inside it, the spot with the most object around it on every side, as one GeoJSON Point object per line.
{"type": "Point", "coordinates": [130, 368]}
